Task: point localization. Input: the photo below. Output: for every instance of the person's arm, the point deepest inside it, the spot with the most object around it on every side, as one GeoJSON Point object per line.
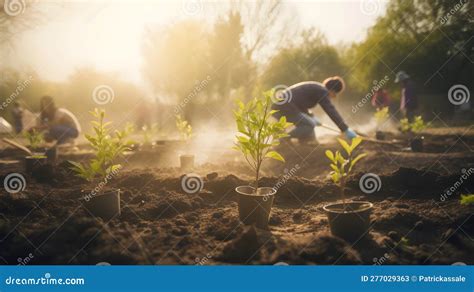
{"type": "Point", "coordinates": [332, 112]}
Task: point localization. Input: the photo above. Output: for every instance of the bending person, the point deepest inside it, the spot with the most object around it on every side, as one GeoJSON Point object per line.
{"type": "Point", "coordinates": [296, 101]}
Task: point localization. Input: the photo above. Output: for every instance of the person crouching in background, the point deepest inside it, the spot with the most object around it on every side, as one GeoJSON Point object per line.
{"type": "Point", "coordinates": [59, 124]}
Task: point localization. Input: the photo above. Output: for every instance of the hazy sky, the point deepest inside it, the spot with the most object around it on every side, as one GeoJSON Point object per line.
{"type": "Point", "coordinates": [107, 34]}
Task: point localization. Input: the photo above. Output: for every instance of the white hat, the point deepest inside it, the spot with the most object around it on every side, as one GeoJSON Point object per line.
{"type": "Point", "coordinates": [401, 75]}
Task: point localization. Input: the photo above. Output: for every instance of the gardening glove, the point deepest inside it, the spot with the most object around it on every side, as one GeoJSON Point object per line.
{"type": "Point", "coordinates": [350, 134]}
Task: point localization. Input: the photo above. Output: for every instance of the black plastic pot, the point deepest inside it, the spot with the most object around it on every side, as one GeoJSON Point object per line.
{"type": "Point", "coordinates": [416, 144]}
{"type": "Point", "coordinates": [105, 205]}
{"type": "Point", "coordinates": [186, 162]}
{"type": "Point", "coordinates": [352, 223]}
{"type": "Point", "coordinates": [35, 164]}
{"type": "Point", "coordinates": [52, 155]}
{"type": "Point", "coordinates": [379, 135]}
{"type": "Point", "coordinates": [255, 207]}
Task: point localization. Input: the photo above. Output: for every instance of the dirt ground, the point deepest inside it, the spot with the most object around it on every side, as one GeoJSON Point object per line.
{"type": "Point", "coordinates": [412, 222]}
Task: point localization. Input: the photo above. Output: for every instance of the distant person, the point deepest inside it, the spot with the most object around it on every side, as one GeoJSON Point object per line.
{"type": "Point", "coordinates": [60, 124]}
{"type": "Point", "coordinates": [381, 98]}
{"type": "Point", "coordinates": [17, 114]}
{"type": "Point", "coordinates": [297, 100]}
{"type": "Point", "coordinates": [408, 100]}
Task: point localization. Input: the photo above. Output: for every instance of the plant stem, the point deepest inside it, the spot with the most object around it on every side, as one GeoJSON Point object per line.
{"type": "Point", "coordinates": [343, 193]}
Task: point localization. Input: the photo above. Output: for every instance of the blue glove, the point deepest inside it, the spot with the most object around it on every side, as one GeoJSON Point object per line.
{"type": "Point", "coordinates": [316, 121]}
{"type": "Point", "coordinates": [350, 134]}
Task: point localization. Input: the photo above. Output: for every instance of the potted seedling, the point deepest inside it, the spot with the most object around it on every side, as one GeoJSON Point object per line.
{"type": "Point", "coordinates": [349, 220]}
{"type": "Point", "coordinates": [381, 116]}
{"type": "Point", "coordinates": [36, 160]}
{"type": "Point", "coordinates": [257, 135]}
{"type": "Point", "coordinates": [108, 147]}
{"type": "Point", "coordinates": [414, 129]}
{"type": "Point", "coordinates": [148, 132]}
{"type": "Point", "coordinates": [186, 131]}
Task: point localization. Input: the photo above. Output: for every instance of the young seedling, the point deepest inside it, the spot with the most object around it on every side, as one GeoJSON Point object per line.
{"type": "Point", "coordinates": [184, 128]}
{"type": "Point", "coordinates": [34, 137]}
{"type": "Point", "coordinates": [415, 127]}
{"type": "Point", "coordinates": [148, 132]}
{"type": "Point", "coordinates": [467, 199]}
{"type": "Point", "coordinates": [258, 134]}
{"type": "Point", "coordinates": [107, 146]}
{"type": "Point", "coordinates": [418, 125]}
{"type": "Point", "coordinates": [342, 166]}
{"type": "Point", "coordinates": [405, 125]}
{"type": "Point", "coordinates": [381, 116]}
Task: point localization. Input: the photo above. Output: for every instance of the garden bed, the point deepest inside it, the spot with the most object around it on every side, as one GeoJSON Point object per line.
{"type": "Point", "coordinates": [163, 224]}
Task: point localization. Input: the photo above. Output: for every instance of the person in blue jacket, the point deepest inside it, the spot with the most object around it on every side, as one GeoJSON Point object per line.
{"type": "Point", "coordinates": [296, 101]}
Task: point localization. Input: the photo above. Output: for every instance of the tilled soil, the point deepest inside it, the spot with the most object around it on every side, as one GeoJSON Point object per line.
{"type": "Point", "coordinates": [414, 221]}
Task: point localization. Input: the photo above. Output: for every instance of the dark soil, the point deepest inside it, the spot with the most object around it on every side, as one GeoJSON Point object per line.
{"type": "Point", "coordinates": [412, 221]}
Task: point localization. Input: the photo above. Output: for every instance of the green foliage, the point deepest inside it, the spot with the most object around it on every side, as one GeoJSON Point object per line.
{"type": "Point", "coordinates": [467, 199]}
{"type": "Point", "coordinates": [296, 62]}
{"type": "Point", "coordinates": [148, 132]}
{"type": "Point", "coordinates": [396, 37]}
{"type": "Point", "coordinates": [381, 115]}
{"type": "Point", "coordinates": [405, 125]}
{"type": "Point", "coordinates": [184, 128]}
{"type": "Point", "coordinates": [416, 126]}
{"type": "Point", "coordinates": [258, 134]}
{"type": "Point", "coordinates": [34, 137]}
{"type": "Point", "coordinates": [342, 165]}
{"type": "Point", "coordinates": [107, 145]}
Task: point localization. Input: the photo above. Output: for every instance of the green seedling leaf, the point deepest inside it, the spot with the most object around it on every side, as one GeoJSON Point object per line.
{"type": "Point", "coordinates": [275, 155]}
{"type": "Point", "coordinates": [467, 199]}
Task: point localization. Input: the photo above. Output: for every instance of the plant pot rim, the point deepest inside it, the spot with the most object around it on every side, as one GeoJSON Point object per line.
{"type": "Point", "coordinates": [250, 191]}
{"type": "Point", "coordinates": [327, 207]}
{"type": "Point", "coordinates": [107, 192]}
{"type": "Point", "coordinates": [36, 156]}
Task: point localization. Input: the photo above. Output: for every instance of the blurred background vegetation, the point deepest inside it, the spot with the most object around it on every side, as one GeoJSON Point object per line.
{"type": "Point", "coordinates": [199, 69]}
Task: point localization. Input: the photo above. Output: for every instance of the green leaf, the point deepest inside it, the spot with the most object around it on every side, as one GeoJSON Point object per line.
{"type": "Point", "coordinates": [275, 155]}
{"type": "Point", "coordinates": [346, 146]}
{"type": "Point", "coordinates": [467, 199]}
{"type": "Point", "coordinates": [355, 160]}
{"type": "Point", "coordinates": [330, 155]}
